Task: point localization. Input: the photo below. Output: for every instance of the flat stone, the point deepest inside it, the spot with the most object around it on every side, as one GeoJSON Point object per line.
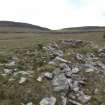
{"type": "Point", "coordinates": [48, 75]}
{"type": "Point", "coordinates": [89, 70]}
{"type": "Point", "coordinates": [8, 71]}
{"type": "Point", "coordinates": [60, 83]}
{"type": "Point", "coordinates": [79, 57]}
{"type": "Point", "coordinates": [75, 70]}
{"type": "Point", "coordinates": [29, 103]}
{"type": "Point", "coordinates": [22, 80]}
{"type": "Point", "coordinates": [39, 79]}
{"type": "Point", "coordinates": [62, 60]}
{"type": "Point", "coordinates": [64, 100]}
{"type": "Point", "coordinates": [48, 101]}
{"type": "Point", "coordinates": [83, 98]}
{"type": "Point", "coordinates": [12, 63]}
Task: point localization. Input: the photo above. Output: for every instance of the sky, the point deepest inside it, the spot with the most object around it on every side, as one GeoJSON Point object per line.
{"type": "Point", "coordinates": [54, 14]}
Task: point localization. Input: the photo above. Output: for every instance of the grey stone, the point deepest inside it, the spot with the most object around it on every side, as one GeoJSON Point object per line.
{"type": "Point", "coordinates": [62, 60]}
{"type": "Point", "coordinates": [48, 75]}
{"type": "Point", "coordinates": [89, 70]}
{"type": "Point", "coordinates": [29, 103]}
{"type": "Point", "coordinates": [60, 83]}
{"type": "Point", "coordinates": [83, 98]}
{"type": "Point", "coordinates": [74, 102]}
{"type": "Point", "coordinates": [8, 71]}
{"type": "Point", "coordinates": [48, 101]}
{"type": "Point", "coordinates": [80, 57]}
{"type": "Point", "coordinates": [22, 80]}
{"type": "Point", "coordinates": [75, 70]}
{"type": "Point", "coordinates": [64, 100]}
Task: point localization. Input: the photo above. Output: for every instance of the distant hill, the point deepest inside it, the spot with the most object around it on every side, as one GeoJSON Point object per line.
{"type": "Point", "coordinates": [83, 29]}
{"type": "Point", "coordinates": [19, 27]}
{"type": "Point", "coordinates": [10, 26]}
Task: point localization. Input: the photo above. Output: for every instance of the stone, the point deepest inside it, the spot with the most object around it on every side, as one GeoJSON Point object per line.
{"type": "Point", "coordinates": [62, 60]}
{"type": "Point", "coordinates": [83, 98]}
{"type": "Point", "coordinates": [79, 57]}
{"type": "Point", "coordinates": [23, 73]}
{"type": "Point", "coordinates": [48, 101]}
{"type": "Point", "coordinates": [89, 70]}
{"type": "Point", "coordinates": [48, 75]}
{"type": "Point", "coordinates": [29, 103]}
{"type": "Point", "coordinates": [22, 80]}
{"type": "Point", "coordinates": [75, 86]}
{"type": "Point", "coordinates": [59, 53]}
{"type": "Point", "coordinates": [74, 102]}
{"type": "Point", "coordinates": [75, 70]}
{"type": "Point", "coordinates": [52, 63]}
{"type": "Point", "coordinates": [60, 83]}
{"type": "Point", "coordinates": [72, 42]}
{"type": "Point", "coordinates": [12, 63]}
{"type": "Point", "coordinates": [39, 79]}
{"type": "Point", "coordinates": [8, 71]}
{"type": "Point", "coordinates": [68, 74]}
{"type": "Point", "coordinates": [64, 100]}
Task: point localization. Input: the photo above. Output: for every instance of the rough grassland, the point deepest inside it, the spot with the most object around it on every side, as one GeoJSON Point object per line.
{"type": "Point", "coordinates": [22, 40]}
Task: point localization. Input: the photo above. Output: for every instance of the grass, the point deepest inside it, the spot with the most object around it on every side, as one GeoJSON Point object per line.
{"type": "Point", "coordinates": [23, 40]}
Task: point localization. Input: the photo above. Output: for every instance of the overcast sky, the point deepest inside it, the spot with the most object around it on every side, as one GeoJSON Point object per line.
{"type": "Point", "coordinates": [54, 14]}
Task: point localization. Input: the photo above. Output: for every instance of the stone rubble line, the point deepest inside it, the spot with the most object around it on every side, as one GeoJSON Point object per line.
{"type": "Point", "coordinates": [61, 78]}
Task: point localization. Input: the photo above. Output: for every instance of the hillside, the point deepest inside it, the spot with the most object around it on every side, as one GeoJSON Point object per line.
{"type": "Point", "coordinates": [82, 29]}
{"type": "Point", "coordinates": [10, 26]}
